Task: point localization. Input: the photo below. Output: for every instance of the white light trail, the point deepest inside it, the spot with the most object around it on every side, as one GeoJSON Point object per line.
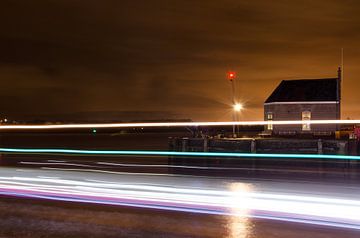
{"type": "Point", "coordinates": [174, 124]}
{"type": "Point", "coordinates": [298, 207]}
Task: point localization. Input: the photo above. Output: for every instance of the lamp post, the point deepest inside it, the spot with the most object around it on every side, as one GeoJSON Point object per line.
{"type": "Point", "coordinates": [237, 108]}
{"type": "Point", "coordinates": [231, 76]}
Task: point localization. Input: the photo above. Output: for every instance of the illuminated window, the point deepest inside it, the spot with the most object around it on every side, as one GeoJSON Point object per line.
{"type": "Point", "coordinates": [269, 117]}
{"type": "Point", "coordinates": [306, 116]}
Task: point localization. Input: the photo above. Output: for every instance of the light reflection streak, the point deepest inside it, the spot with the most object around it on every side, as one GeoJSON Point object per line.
{"type": "Point", "coordinates": [240, 227]}
{"type": "Point", "coordinates": [54, 164]}
{"type": "Point", "coordinates": [177, 153]}
{"type": "Point", "coordinates": [240, 201]}
{"type": "Point", "coordinates": [174, 124]}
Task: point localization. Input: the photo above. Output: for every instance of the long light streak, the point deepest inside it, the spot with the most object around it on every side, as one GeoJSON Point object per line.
{"type": "Point", "coordinates": [177, 153]}
{"type": "Point", "coordinates": [303, 208]}
{"type": "Point", "coordinates": [127, 165]}
{"type": "Point", "coordinates": [175, 124]}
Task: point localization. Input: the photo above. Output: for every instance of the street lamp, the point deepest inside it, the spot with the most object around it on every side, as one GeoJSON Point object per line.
{"type": "Point", "coordinates": [238, 107]}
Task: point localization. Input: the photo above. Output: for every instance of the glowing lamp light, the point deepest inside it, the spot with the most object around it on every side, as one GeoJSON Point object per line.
{"type": "Point", "coordinates": [238, 107]}
{"type": "Point", "coordinates": [231, 76]}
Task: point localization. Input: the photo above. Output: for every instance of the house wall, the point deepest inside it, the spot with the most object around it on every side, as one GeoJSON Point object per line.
{"type": "Point", "coordinates": [284, 112]}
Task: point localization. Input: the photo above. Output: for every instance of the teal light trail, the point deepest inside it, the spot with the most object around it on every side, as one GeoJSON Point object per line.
{"type": "Point", "coordinates": [176, 153]}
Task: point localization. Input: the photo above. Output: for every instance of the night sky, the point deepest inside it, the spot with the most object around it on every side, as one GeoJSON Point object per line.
{"type": "Point", "coordinates": [144, 59]}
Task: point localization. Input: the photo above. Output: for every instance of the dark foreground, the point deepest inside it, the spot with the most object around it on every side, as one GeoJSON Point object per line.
{"type": "Point", "coordinates": [30, 218]}
{"type": "Point", "coordinates": [37, 218]}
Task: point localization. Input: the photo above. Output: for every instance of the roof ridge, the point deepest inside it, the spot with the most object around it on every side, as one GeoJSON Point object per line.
{"type": "Point", "coordinates": [323, 89]}
{"type": "Point", "coordinates": [310, 79]}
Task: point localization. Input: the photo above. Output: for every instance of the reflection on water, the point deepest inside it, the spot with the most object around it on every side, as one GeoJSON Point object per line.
{"type": "Point", "coordinates": [239, 225]}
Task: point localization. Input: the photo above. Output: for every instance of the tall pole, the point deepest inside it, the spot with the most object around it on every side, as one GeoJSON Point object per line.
{"type": "Point", "coordinates": [233, 103]}
{"type": "Point", "coordinates": [340, 80]}
{"type": "Point", "coordinates": [231, 76]}
{"type": "Point", "coordinates": [342, 63]}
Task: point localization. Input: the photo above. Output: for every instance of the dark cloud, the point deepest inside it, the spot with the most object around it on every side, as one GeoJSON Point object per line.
{"type": "Point", "coordinates": [168, 57]}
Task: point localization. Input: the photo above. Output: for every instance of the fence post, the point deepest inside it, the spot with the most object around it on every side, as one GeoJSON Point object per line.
{"type": "Point", "coordinates": [206, 144]}
{"type": "Point", "coordinates": [342, 148]}
{"type": "Point", "coordinates": [184, 145]}
{"type": "Point", "coordinates": [320, 146]}
{"type": "Point", "coordinates": [253, 146]}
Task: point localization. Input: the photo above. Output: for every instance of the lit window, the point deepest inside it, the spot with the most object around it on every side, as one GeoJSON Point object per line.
{"type": "Point", "coordinates": [269, 117]}
{"type": "Point", "coordinates": [306, 116]}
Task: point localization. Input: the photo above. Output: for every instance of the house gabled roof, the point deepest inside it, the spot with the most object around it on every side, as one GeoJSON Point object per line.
{"type": "Point", "coordinates": [306, 90]}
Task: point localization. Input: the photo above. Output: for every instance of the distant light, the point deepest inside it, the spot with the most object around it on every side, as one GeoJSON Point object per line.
{"type": "Point", "coordinates": [231, 75]}
{"type": "Point", "coordinates": [238, 107]}
{"type": "Point", "coordinates": [94, 130]}
{"type": "Point", "coordinates": [5, 120]}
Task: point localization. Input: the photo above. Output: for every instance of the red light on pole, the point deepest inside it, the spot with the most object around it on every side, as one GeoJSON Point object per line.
{"type": "Point", "coordinates": [231, 76]}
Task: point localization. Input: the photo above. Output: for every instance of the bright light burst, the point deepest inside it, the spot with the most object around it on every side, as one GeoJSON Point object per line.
{"type": "Point", "coordinates": [238, 107]}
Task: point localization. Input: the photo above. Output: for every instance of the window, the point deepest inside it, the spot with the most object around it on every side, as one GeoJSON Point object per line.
{"type": "Point", "coordinates": [269, 117]}
{"type": "Point", "coordinates": [306, 116]}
